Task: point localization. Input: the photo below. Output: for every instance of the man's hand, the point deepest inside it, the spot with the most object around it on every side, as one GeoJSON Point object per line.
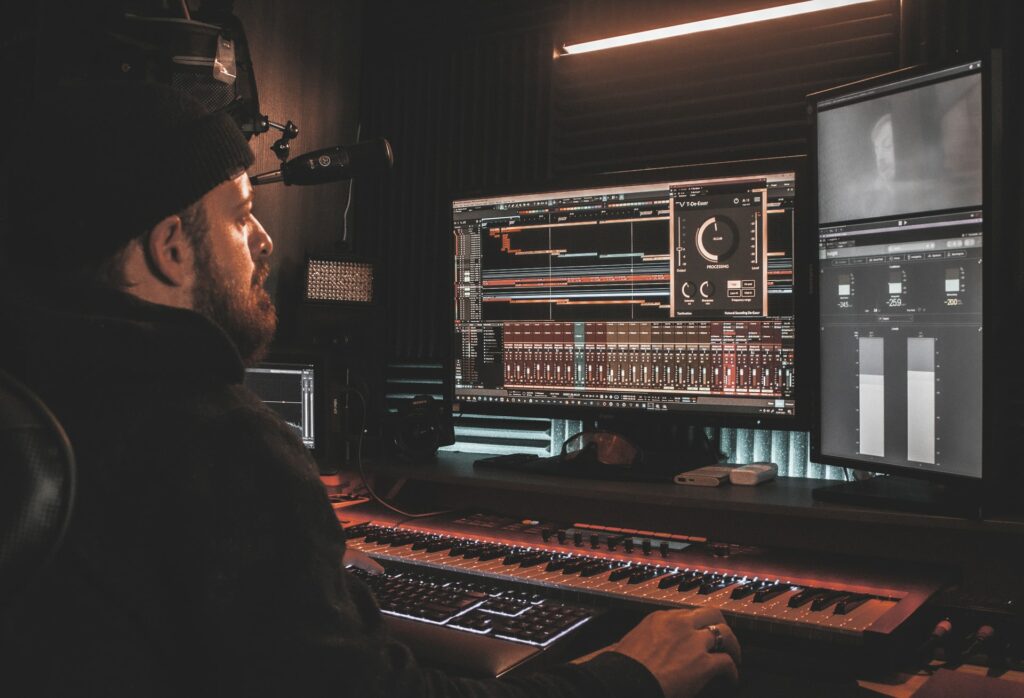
{"type": "Point", "coordinates": [677, 648]}
{"type": "Point", "coordinates": [362, 561]}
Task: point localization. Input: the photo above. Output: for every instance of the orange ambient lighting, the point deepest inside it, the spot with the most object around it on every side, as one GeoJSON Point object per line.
{"type": "Point", "coordinates": [797, 8]}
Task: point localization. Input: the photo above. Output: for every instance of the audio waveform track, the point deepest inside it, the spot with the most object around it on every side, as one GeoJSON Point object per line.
{"type": "Point", "coordinates": [579, 269]}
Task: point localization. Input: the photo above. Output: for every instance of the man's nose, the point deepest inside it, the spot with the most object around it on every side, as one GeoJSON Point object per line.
{"type": "Point", "coordinates": [260, 242]}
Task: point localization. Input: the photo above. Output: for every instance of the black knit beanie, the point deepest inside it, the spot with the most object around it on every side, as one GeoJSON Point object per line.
{"type": "Point", "coordinates": [102, 163]}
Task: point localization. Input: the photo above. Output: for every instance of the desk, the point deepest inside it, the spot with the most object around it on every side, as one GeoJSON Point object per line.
{"type": "Point", "coordinates": [778, 513]}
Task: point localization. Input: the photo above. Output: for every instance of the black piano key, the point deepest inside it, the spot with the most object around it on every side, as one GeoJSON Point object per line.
{"type": "Point", "coordinates": [716, 583]}
{"type": "Point", "coordinates": [804, 597]}
{"type": "Point", "coordinates": [671, 580]}
{"type": "Point", "coordinates": [643, 574]}
{"type": "Point", "coordinates": [692, 582]}
{"type": "Point", "coordinates": [494, 553]}
{"type": "Point", "coordinates": [596, 568]}
{"type": "Point", "coordinates": [851, 602]}
{"type": "Point", "coordinates": [373, 535]}
{"type": "Point", "coordinates": [748, 589]}
{"type": "Point", "coordinates": [826, 599]}
{"type": "Point", "coordinates": [557, 564]}
{"type": "Point", "coordinates": [770, 592]}
{"type": "Point", "coordinates": [515, 556]}
{"type": "Point", "coordinates": [538, 558]}
{"type": "Point", "coordinates": [357, 531]}
{"type": "Point", "coordinates": [574, 565]}
{"type": "Point", "coordinates": [620, 573]}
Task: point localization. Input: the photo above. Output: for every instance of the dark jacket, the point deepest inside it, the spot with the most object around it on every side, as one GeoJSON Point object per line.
{"type": "Point", "coordinates": [203, 557]}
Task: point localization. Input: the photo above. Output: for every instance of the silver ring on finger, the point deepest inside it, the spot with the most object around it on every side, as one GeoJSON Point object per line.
{"type": "Point", "coordinates": [719, 643]}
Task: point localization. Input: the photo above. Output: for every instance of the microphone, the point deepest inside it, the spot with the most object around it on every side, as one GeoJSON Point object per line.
{"type": "Point", "coordinates": [332, 164]}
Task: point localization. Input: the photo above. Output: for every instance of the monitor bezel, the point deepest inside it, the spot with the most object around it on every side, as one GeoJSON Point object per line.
{"type": "Point", "coordinates": [996, 246]}
{"type": "Point", "coordinates": [797, 164]}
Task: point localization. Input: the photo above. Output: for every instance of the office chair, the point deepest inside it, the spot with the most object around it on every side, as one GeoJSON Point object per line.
{"type": "Point", "coordinates": [37, 486]}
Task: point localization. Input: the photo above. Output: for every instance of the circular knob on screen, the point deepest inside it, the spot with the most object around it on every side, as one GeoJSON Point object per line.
{"type": "Point", "coordinates": [707, 289]}
{"type": "Point", "coordinates": [687, 289]}
{"type": "Point", "coordinates": [717, 238]}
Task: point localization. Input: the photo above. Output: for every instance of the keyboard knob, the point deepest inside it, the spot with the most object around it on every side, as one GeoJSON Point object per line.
{"type": "Point", "coordinates": [663, 549]}
{"type": "Point", "coordinates": [627, 545]}
{"type": "Point", "coordinates": [646, 546]}
{"type": "Point", "coordinates": [595, 540]}
{"type": "Point", "coordinates": [561, 536]}
{"type": "Point", "coordinates": [577, 539]}
{"type": "Point", "coordinates": [546, 534]}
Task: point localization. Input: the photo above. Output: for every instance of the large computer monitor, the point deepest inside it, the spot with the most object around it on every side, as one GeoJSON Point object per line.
{"type": "Point", "coordinates": [903, 230]}
{"type": "Point", "coordinates": [666, 293]}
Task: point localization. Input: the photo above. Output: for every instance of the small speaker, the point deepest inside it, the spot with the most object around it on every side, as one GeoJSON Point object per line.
{"type": "Point", "coordinates": [420, 427]}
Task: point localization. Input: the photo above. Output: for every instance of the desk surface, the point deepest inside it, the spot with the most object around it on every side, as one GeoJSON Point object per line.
{"type": "Point", "coordinates": [791, 496]}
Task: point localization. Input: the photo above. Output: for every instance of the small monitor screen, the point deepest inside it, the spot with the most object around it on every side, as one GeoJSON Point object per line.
{"type": "Point", "coordinates": [669, 296]}
{"type": "Point", "coordinates": [288, 389]}
{"type": "Point", "coordinates": [900, 273]}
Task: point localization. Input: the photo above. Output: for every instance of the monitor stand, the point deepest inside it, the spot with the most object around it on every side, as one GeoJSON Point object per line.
{"type": "Point", "coordinates": [905, 494]}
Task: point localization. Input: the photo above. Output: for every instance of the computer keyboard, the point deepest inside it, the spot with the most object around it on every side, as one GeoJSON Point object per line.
{"type": "Point", "coordinates": [481, 607]}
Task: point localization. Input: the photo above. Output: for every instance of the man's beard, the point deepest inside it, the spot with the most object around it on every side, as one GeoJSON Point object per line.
{"type": "Point", "coordinates": [247, 316]}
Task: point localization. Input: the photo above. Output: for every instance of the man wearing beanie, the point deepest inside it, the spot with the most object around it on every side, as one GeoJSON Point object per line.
{"type": "Point", "coordinates": [203, 557]}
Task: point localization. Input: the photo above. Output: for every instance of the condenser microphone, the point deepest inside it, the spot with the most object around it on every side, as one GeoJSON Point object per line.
{"type": "Point", "coordinates": [332, 164]}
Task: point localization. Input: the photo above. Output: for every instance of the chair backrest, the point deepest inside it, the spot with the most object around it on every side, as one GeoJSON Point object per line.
{"type": "Point", "coordinates": [37, 486]}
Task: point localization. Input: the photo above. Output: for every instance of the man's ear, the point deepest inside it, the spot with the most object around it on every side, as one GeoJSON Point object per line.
{"type": "Point", "coordinates": [168, 252]}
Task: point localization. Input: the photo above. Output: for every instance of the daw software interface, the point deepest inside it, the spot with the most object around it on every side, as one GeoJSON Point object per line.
{"type": "Point", "coordinates": [900, 261]}
{"type": "Point", "coordinates": [288, 389]}
{"type": "Point", "coordinates": [671, 296]}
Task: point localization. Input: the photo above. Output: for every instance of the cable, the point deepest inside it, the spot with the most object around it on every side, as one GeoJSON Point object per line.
{"type": "Point", "coordinates": [348, 199]}
{"type": "Point", "coordinates": [366, 481]}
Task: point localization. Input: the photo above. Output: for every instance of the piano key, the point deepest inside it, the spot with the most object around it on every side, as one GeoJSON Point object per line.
{"type": "Point", "coordinates": [850, 602]}
{"type": "Point", "coordinates": [826, 599]}
{"type": "Point", "coordinates": [804, 597]}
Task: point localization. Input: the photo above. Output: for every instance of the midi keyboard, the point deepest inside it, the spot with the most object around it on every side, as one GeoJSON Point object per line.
{"type": "Point", "coordinates": [777, 600]}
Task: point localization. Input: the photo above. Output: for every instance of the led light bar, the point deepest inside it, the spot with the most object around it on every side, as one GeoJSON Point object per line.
{"type": "Point", "coordinates": [798, 8]}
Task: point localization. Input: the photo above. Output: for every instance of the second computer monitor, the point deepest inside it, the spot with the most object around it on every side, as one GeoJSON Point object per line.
{"type": "Point", "coordinates": [669, 296]}
{"type": "Point", "coordinates": [900, 237]}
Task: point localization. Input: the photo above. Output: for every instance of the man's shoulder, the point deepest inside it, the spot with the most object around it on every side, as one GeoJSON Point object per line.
{"type": "Point", "coordinates": [230, 416]}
